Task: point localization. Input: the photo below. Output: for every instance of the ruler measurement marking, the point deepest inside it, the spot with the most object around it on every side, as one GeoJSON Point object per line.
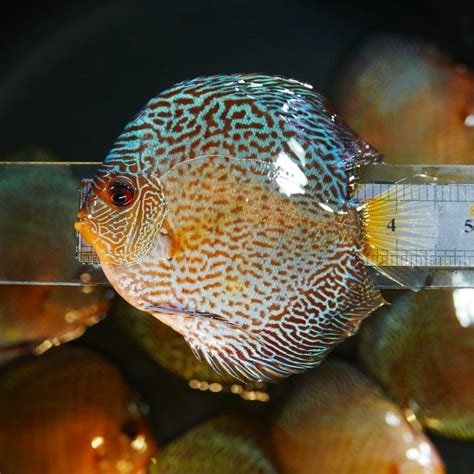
{"type": "Point", "coordinates": [85, 252]}
{"type": "Point", "coordinates": [450, 205]}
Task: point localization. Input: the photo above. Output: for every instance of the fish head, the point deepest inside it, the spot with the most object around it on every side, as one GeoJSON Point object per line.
{"type": "Point", "coordinates": [122, 214]}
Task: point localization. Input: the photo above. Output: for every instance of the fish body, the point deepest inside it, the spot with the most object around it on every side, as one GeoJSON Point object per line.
{"type": "Point", "coordinates": [339, 421]}
{"type": "Point", "coordinates": [225, 210]}
{"type": "Point", "coordinates": [410, 100]}
{"type": "Point", "coordinates": [165, 346]}
{"type": "Point", "coordinates": [70, 411]}
{"type": "Point", "coordinates": [421, 351]}
{"type": "Point", "coordinates": [170, 351]}
{"type": "Point", "coordinates": [225, 445]}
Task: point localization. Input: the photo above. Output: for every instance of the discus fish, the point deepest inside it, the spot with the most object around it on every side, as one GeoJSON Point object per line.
{"type": "Point", "coordinates": [410, 100]}
{"type": "Point", "coordinates": [422, 351]}
{"type": "Point", "coordinates": [36, 318]}
{"type": "Point", "coordinates": [70, 411]}
{"type": "Point", "coordinates": [339, 421]}
{"type": "Point", "coordinates": [225, 210]}
{"type": "Point", "coordinates": [225, 445]}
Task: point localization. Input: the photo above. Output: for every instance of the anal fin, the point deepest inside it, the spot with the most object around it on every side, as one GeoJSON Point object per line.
{"type": "Point", "coordinates": [227, 347]}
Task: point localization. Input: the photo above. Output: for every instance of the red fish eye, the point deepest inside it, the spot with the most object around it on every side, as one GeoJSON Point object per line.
{"type": "Point", "coordinates": [120, 193]}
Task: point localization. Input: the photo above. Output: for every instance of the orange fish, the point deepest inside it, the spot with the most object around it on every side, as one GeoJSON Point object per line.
{"type": "Point", "coordinates": [418, 105]}
{"type": "Point", "coordinates": [70, 411]}
{"type": "Point", "coordinates": [422, 351]}
{"type": "Point", "coordinates": [411, 101]}
{"type": "Point", "coordinates": [339, 421]}
{"type": "Point", "coordinates": [36, 318]}
{"type": "Point", "coordinates": [225, 445]}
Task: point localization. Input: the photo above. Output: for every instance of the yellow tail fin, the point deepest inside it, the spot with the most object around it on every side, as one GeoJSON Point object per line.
{"type": "Point", "coordinates": [400, 230]}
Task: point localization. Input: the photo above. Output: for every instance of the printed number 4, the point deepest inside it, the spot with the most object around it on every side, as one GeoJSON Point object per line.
{"type": "Point", "coordinates": [468, 226]}
{"type": "Point", "coordinates": [391, 225]}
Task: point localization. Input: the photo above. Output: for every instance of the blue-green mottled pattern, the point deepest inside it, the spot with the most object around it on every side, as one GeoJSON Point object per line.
{"type": "Point", "coordinates": [304, 288]}
{"type": "Point", "coordinates": [249, 116]}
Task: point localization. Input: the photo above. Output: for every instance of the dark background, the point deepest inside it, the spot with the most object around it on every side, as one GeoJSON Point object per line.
{"type": "Point", "coordinates": [73, 73]}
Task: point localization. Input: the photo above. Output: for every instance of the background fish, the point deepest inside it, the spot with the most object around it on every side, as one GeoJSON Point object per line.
{"type": "Point", "coordinates": [225, 445]}
{"type": "Point", "coordinates": [409, 100]}
{"type": "Point", "coordinates": [70, 411]}
{"type": "Point", "coordinates": [34, 318]}
{"type": "Point", "coordinates": [422, 351]}
{"type": "Point", "coordinates": [38, 317]}
{"type": "Point", "coordinates": [339, 421]}
{"type": "Point", "coordinates": [224, 210]}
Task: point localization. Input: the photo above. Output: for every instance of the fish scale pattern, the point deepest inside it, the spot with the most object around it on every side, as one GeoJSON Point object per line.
{"type": "Point", "coordinates": [251, 115]}
{"type": "Point", "coordinates": [253, 256]}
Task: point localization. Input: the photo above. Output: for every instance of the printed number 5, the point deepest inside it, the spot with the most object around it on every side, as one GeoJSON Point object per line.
{"type": "Point", "coordinates": [468, 226]}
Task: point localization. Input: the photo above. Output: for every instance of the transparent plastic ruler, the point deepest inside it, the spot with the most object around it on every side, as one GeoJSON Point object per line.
{"type": "Point", "coordinates": [38, 244]}
{"type": "Point", "coordinates": [446, 224]}
{"type": "Point", "coordinates": [445, 256]}
{"type": "Point", "coordinates": [432, 248]}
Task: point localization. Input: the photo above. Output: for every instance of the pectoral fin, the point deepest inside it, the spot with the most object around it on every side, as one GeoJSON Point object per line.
{"type": "Point", "coordinates": [176, 310]}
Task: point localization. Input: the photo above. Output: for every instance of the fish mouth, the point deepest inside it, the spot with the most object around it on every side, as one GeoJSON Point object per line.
{"type": "Point", "coordinates": [85, 228]}
{"type": "Point", "coordinates": [78, 225]}
{"type": "Point", "coordinates": [81, 217]}
{"type": "Point", "coordinates": [82, 226]}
